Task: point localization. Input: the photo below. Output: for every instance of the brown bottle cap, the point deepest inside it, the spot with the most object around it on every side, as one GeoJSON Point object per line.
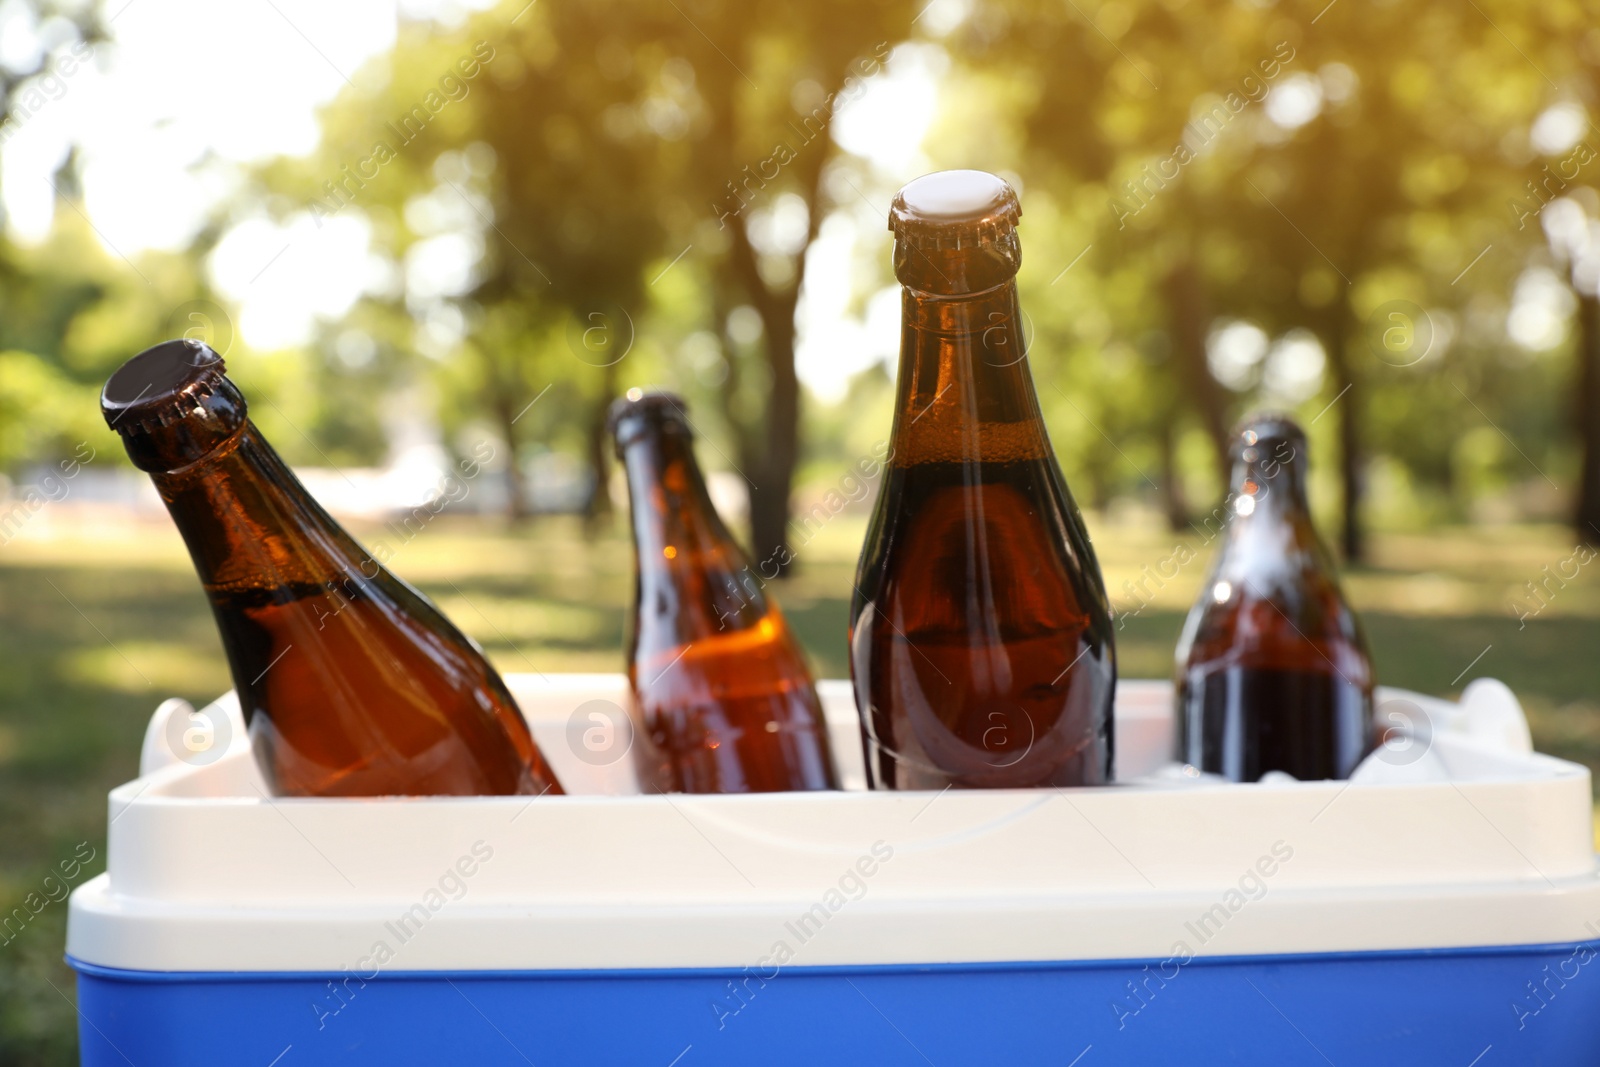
{"type": "Point", "coordinates": [173, 406]}
{"type": "Point", "coordinates": [160, 386]}
{"type": "Point", "coordinates": [638, 409]}
{"type": "Point", "coordinates": [954, 205]}
{"type": "Point", "coordinates": [1266, 428]}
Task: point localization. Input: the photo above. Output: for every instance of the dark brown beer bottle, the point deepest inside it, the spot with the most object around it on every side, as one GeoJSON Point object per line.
{"type": "Point", "coordinates": [351, 682]}
{"type": "Point", "coordinates": [721, 686]}
{"type": "Point", "coordinates": [980, 638]}
{"type": "Point", "coordinates": [1273, 670]}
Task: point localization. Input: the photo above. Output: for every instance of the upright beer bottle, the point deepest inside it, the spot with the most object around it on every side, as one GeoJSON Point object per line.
{"type": "Point", "coordinates": [980, 640]}
{"type": "Point", "coordinates": [721, 686]}
{"type": "Point", "coordinates": [1273, 670]}
{"type": "Point", "coordinates": [351, 682]}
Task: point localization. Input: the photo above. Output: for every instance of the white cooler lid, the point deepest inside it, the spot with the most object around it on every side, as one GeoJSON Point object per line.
{"type": "Point", "coordinates": [206, 873]}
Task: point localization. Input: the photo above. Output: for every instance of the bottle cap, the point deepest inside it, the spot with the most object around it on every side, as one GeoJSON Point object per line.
{"type": "Point", "coordinates": [1266, 428]}
{"type": "Point", "coordinates": [949, 206]}
{"type": "Point", "coordinates": [638, 409]}
{"type": "Point", "coordinates": [160, 386]}
{"type": "Point", "coordinates": [173, 406]}
{"type": "Point", "coordinates": [955, 233]}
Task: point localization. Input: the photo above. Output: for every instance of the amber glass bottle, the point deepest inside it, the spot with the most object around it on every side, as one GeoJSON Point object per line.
{"type": "Point", "coordinates": [352, 682]}
{"type": "Point", "coordinates": [1273, 670]}
{"type": "Point", "coordinates": [980, 638]}
{"type": "Point", "coordinates": [721, 686]}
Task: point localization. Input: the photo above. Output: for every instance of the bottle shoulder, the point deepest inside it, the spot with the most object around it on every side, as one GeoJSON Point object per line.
{"type": "Point", "coordinates": [992, 545]}
{"type": "Point", "coordinates": [1305, 624]}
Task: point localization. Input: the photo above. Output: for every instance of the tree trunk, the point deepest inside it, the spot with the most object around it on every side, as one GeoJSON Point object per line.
{"type": "Point", "coordinates": [729, 393]}
{"type": "Point", "coordinates": [772, 479]}
{"type": "Point", "coordinates": [1176, 507]}
{"type": "Point", "coordinates": [769, 501]}
{"type": "Point", "coordinates": [1347, 409]}
{"type": "Point", "coordinates": [775, 429]}
{"type": "Point", "coordinates": [505, 414]}
{"type": "Point", "coordinates": [1189, 319]}
{"type": "Point", "coordinates": [1586, 513]}
{"type": "Point", "coordinates": [598, 448]}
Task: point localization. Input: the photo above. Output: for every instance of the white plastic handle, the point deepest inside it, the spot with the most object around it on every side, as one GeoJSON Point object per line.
{"type": "Point", "coordinates": [178, 733]}
{"type": "Point", "coordinates": [155, 753]}
{"type": "Point", "coordinates": [1493, 715]}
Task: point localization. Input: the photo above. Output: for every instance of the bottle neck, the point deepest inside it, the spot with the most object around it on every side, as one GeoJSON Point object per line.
{"type": "Point", "coordinates": [1274, 478]}
{"type": "Point", "coordinates": [184, 434]}
{"type": "Point", "coordinates": [250, 525]}
{"type": "Point", "coordinates": [964, 392]}
{"type": "Point", "coordinates": [1271, 541]}
{"type": "Point", "coordinates": [674, 522]}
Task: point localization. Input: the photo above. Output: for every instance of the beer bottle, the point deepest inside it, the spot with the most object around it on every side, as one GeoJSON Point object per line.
{"type": "Point", "coordinates": [1273, 670]}
{"type": "Point", "coordinates": [720, 684]}
{"type": "Point", "coordinates": [980, 639]}
{"type": "Point", "coordinates": [352, 682]}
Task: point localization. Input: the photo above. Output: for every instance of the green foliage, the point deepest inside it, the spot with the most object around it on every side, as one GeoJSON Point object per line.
{"type": "Point", "coordinates": [1142, 130]}
{"type": "Point", "coordinates": [614, 169]}
{"type": "Point", "coordinates": [41, 410]}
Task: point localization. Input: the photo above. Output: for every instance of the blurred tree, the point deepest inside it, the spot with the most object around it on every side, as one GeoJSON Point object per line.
{"type": "Point", "coordinates": [1108, 92]}
{"type": "Point", "coordinates": [769, 81]}
{"type": "Point", "coordinates": [1579, 248]}
{"type": "Point", "coordinates": [626, 166]}
{"type": "Point", "coordinates": [1361, 147]}
{"type": "Point", "coordinates": [41, 296]}
{"type": "Point", "coordinates": [1299, 170]}
{"type": "Point", "coordinates": [70, 313]}
{"type": "Point", "coordinates": [1574, 232]}
{"type": "Point", "coordinates": [611, 136]}
{"type": "Point", "coordinates": [576, 200]}
{"type": "Point", "coordinates": [505, 150]}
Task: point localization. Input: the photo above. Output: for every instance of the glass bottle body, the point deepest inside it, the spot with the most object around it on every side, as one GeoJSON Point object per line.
{"type": "Point", "coordinates": [981, 642]}
{"type": "Point", "coordinates": [721, 688]}
{"type": "Point", "coordinates": [1273, 670]}
{"type": "Point", "coordinates": [352, 682]}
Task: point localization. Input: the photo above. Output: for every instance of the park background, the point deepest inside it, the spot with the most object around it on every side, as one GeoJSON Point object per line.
{"type": "Point", "coordinates": [425, 232]}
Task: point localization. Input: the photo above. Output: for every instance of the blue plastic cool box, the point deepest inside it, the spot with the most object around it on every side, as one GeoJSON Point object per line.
{"type": "Point", "coordinates": [1442, 908]}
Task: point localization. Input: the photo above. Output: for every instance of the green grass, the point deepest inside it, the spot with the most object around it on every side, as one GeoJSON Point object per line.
{"type": "Point", "coordinates": [105, 620]}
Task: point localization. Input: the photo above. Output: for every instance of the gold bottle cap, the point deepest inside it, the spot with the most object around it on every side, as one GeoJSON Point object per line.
{"type": "Point", "coordinates": [954, 205]}
{"type": "Point", "coordinates": [955, 233]}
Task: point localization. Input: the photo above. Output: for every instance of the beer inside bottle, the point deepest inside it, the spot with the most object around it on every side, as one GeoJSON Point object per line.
{"type": "Point", "coordinates": [980, 640]}
{"type": "Point", "coordinates": [722, 689]}
{"type": "Point", "coordinates": [352, 682]}
{"type": "Point", "coordinates": [1273, 670]}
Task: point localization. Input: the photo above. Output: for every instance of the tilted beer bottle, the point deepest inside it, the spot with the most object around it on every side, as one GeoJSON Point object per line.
{"type": "Point", "coordinates": [1273, 670]}
{"type": "Point", "coordinates": [352, 683]}
{"type": "Point", "coordinates": [721, 685]}
{"type": "Point", "coordinates": [980, 638]}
